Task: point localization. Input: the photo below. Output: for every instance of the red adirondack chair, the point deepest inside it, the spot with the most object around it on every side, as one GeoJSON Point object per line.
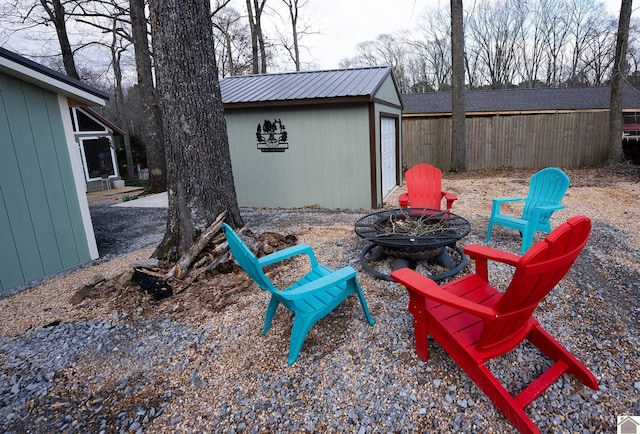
{"type": "Point", "coordinates": [424, 188]}
{"type": "Point", "coordinates": [473, 322]}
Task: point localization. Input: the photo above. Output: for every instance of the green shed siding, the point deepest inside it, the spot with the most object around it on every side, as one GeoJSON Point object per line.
{"type": "Point", "coordinates": [326, 163]}
{"type": "Point", "coordinates": [388, 93]}
{"type": "Point", "coordinates": [41, 225]}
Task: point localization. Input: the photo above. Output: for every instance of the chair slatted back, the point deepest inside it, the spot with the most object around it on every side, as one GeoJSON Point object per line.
{"type": "Point", "coordinates": [547, 187]}
{"type": "Point", "coordinates": [424, 186]}
{"type": "Point", "coordinates": [536, 274]}
{"type": "Point", "coordinates": [246, 259]}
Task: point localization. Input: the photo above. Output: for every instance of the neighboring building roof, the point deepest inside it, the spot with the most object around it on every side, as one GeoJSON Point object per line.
{"type": "Point", "coordinates": [520, 100]}
{"type": "Point", "coordinates": [32, 72]}
{"type": "Point", "coordinates": [308, 86]}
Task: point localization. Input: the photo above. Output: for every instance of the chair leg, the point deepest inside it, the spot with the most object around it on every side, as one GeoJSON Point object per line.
{"type": "Point", "coordinates": [298, 334]}
{"type": "Point", "coordinates": [556, 351]}
{"type": "Point", "coordinates": [420, 325]}
{"type": "Point", "coordinates": [488, 236]}
{"type": "Point", "coordinates": [501, 398]}
{"type": "Point", "coordinates": [363, 302]}
{"type": "Point", "coordinates": [271, 312]}
{"type": "Point", "coordinates": [527, 238]}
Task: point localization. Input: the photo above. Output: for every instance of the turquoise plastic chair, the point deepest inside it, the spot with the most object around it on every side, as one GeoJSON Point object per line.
{"type": "Point", "coordinates": [546, 190]}
{"type": "Point", "coordinates": [310, 299]}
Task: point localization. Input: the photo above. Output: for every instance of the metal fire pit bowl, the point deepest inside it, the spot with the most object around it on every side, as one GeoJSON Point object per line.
{"type": "Point", "coordinates": [413, 234]}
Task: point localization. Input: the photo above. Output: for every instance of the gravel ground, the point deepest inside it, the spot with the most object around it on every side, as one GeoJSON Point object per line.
{"type": "Point", "coordinates": [121, 230]}
{"type": "Point", "coordinates": [178, 366]}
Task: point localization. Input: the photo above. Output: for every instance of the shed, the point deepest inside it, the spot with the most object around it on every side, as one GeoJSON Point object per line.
{"type": "Point", "coordinates": [517, 128]}
{"type": "Point", "coordinates": [45, 225]}
{"type": "Point", "coordinates": [317, 138]}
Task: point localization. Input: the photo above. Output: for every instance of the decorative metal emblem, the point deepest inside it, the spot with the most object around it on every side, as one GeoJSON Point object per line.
{"type": "Point", "coordinates": [272, 136]}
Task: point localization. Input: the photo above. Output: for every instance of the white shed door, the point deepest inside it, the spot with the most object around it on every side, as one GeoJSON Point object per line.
{"type": "Point", "coordinates": [388, 144]}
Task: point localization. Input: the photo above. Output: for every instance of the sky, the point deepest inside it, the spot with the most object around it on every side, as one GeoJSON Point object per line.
{"type": "Point", "coordinates": [343, 24]}
{"type": "Point", "coordinates": [339, 25]}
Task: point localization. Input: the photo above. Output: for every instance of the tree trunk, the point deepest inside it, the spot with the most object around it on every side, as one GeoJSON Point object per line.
{"type": "Point", "coordinates": [458, 126]}
{"type": "Point", "coordinates": [254, 39]}
{"type": "Point", "coordinates": [619, 73]}
{"type": "Point", "coordinates": [259, 5]}
{"type": "Point", "coordinates": [122, 117]}
{"type": "Point", "coordinates": [58, 17]}
{"type": "Point", "coordinates": [152, 132]}
{"type": "Point", "coordinates": [294, 10]}
{"type": "Point", "coordinates": [199, 175]}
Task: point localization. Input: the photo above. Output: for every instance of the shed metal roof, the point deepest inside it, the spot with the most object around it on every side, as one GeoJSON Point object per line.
{"type": "Point", "coordinates": [520, 100]}
{"type": "Point", "coordinates": [318, 86]}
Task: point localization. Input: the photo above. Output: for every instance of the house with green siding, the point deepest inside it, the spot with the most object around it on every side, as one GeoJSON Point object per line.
{"type": "Point", "coordinates": [314, 138]}
{"type": "Point", "coordinates": [45, 226]}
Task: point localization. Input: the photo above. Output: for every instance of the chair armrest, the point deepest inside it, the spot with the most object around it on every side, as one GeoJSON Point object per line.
{"type": "Point", "coordinates": [332, 279]}
{"type": "Point", "coordinates": [477, 251]}
{"type": "Point", "coordinates": [482, 254]}
{"type": "Point", "coordinates": [289, 252]}
{"type": "Point", "coordinates": [404, 200]}
{"type": "Point", "coordinates": [539, 210]}
{"type": "Point", "coordinates": [449, 196]}
{"type": "Point", "coordinates": [500, 200]}
{"type": "Point", "coordinates": [556, 207]}
{"type": "Point", "coordinates": [424, 287]}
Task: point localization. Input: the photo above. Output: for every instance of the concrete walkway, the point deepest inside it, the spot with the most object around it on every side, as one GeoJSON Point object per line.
{"type": "Point", "coordinates": [159, 200]}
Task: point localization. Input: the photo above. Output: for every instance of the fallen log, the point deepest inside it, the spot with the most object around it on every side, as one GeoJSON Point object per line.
{"type": "Point", "coordinates": [181, 267]}
{"type": "Point", "coordinates": [84, 292]}
{"type": "Point", "coordinates": [223, 255]}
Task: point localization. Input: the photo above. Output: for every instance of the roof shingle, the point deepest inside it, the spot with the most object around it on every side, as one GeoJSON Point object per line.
{"type": "Point", "coordinates": [520, 100]}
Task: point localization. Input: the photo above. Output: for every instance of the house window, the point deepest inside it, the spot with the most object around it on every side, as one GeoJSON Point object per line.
{"type": "Point", "coordinates": [98, 157]}
{"type": "Point", "coordinates": [86, 123]}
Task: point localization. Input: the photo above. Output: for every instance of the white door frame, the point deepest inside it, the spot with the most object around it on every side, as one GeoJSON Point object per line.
{"type": "Point", "coordinates": [388, 151]}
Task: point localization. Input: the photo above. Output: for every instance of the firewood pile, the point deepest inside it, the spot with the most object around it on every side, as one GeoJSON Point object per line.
{"type": "Point", "coordinates": [208, 268]}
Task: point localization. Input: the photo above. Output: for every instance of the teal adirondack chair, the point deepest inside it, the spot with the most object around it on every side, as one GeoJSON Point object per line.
{"type": "Point", "coordinates": [310, 299]}
{"type": "Point", "coordinates": [546, 190]}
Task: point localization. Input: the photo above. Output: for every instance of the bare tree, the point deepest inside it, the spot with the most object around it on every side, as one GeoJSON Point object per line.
{"type": "Point", "coordinates": [386, 50]}
{"type": "Point", "coordinates": [232, 40]}
{"type": "Point", "coordinates": [55, 11]}
{"type": "Point", "coordinates": [619, 72]}
{"type": "Point", "coordinates": [111, 17]}
{"type": "Point", "coordinates": [199, 175]}
{"type": "Point", "coordinates": [458, 122]}
{"type": "Point", "coordinates": [494, 28]}
{"type": "Point", "coordinates": [297, 33]}
{"type": "Point", "coordinates": [597, 57]}
{"type": "Point", "coordinates": [258, 49]}
{"type": "Point", "coordinates": [585, 23]}
{"type": "Point", "coordinates": [117, 48]}
{"type": "Point", "coordinates": [529, 44]}
{"type": "Point", "coordinates": [556, 28]}
{"type": "Point", "coordinates": [25, 15]}
{"type": "Point", "coordinates": [126, 22]}
{"type": "Point", "coordinates": [432, 52]}
{"type": "Point", "coordinates": [152, 126]}
{"type": "Point", "coordinates": [294, 50]}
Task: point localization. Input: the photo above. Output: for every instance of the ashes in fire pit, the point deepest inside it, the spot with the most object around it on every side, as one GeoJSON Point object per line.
{"type": "Point", "coordinates": [414, 235]}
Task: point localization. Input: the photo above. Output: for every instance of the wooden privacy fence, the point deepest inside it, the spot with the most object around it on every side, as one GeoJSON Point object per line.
{"type": "Point", "coordinates": [526, 141]}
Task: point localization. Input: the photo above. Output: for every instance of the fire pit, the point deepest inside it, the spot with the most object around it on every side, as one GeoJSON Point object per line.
{"type": "Point", "coordinates": [413, 235]}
